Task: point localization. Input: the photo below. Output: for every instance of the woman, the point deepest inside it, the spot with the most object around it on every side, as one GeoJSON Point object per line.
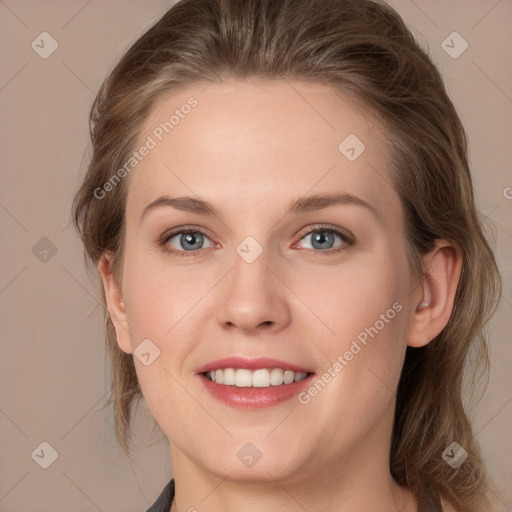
{"type": "Point", "coordinates": [280, 207]}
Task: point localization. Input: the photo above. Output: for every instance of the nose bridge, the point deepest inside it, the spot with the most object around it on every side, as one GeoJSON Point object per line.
{"type": "Point", "coordinates": [253, 295]}
{"type": "Point", "coordinates": [251, 265]}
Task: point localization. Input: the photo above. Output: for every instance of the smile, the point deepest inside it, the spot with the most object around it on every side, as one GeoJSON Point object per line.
{"type": "Point", "coordinates": [260, 378]}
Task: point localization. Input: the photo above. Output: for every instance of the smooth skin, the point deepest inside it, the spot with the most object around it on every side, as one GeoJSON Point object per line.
{"type": "Point", "coordinates": [251, 149]}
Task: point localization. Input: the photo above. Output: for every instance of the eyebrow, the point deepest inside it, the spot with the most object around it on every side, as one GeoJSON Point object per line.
{"type": "Point", "coordinates": [301, 205]}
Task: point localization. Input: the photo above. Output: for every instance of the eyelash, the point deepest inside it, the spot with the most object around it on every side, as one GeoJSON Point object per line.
{"type": "Point", "coordinates": [344, 235]}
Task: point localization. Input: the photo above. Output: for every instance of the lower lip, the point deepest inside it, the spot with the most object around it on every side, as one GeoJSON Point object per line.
{"type": "Point", "coordinates": [254, 398]}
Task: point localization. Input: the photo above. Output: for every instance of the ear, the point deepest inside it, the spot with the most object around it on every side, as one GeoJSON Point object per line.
{"type": "Point", "coordinates": [115, 304]}
{"type": "Point", "coordinates": [443, 266]}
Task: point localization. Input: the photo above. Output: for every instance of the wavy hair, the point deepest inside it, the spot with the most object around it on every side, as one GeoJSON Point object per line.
{"type": "Point", "coordinates": [361, 48]}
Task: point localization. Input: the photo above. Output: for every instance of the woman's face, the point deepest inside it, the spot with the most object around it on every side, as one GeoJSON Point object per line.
{"type": "Point", "coordinates": [266, 276]}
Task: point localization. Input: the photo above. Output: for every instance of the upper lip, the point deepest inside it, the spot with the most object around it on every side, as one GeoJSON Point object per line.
{"type": "Point", "coordinates": [251, 364]}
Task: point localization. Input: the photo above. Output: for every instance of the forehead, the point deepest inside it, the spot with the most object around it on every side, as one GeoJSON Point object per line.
{"type": "Point", "coordinates": [260, 143]}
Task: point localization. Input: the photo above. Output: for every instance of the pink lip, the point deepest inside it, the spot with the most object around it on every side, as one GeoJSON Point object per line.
{"type": "Point", "coordinates": [251, 364]}
{"type": "Point", "coordinates": [254, 398]}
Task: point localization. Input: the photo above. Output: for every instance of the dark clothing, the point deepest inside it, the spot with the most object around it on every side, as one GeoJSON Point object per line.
{"type": "Point", "coordinates": [164, 501]}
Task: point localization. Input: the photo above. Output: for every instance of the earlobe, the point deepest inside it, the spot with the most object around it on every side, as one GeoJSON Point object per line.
{"type": "Point", "coordinates": [443, 266]}
{"type": "Point", "coordinates": [115, 303]}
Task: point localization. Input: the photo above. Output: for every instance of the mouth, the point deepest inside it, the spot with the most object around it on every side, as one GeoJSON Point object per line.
{"type": "Point", "coordinates": [253, 383]}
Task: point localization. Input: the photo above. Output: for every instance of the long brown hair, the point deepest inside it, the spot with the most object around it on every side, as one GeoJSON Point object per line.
{"type": "Point", "coordinates": [361, 48]}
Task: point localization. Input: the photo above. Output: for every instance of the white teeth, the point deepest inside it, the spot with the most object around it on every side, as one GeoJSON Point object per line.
{"type": "Point", "coordinates": [288, 376]}
{"type": "Point", "coordinates": [243, 378]}
{"type": "Point", "coordinates": [229, 376]}
{"type": "Point", "coordinates": [262, 378]}
{"type": "Point", "coordinates": [276, 377]}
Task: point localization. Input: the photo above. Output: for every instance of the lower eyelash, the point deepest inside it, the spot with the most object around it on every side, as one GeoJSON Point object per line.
{"type": "Point", "coordinates": [345, 237]}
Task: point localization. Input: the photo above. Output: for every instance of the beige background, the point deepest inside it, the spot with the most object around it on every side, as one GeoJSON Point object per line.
{"type": "Point", "coordinates": [53, 378]}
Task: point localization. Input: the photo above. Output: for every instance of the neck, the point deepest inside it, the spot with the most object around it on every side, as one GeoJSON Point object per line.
{"type": "Point", "coordinates": [360, 492]}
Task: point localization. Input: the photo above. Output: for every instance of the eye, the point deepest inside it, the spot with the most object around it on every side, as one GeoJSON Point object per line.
{"type": "Point", "coordinates": [323, 237]}
{"type": "Point", "coordinates": [187, 241]}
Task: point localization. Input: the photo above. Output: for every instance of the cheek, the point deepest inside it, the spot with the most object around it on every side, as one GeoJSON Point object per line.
{"type": "Point", "coordinates": [366, 311]}
{"type": "Point", "coordinates": [363, 362]}
{"type": "Point", "coordinates": [152, 297]}
{"type": "Point", "coordinates": [355, 300]}
{"type": "Point", "coordinates": [156, 301]}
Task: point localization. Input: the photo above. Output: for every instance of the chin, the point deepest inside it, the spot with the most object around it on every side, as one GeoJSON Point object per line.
{"type": "Point", "coordinates": [256, 461]}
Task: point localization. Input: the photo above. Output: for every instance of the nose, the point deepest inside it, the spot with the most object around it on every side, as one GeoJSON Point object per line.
{"type": "Point", "coordinates": [254, 296]}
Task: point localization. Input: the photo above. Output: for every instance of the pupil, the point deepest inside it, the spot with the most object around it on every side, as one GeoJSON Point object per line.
{"type": "Point", "coordinates": [189, 238]}
{"type": "Point", "coordinates": [322, 236]}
